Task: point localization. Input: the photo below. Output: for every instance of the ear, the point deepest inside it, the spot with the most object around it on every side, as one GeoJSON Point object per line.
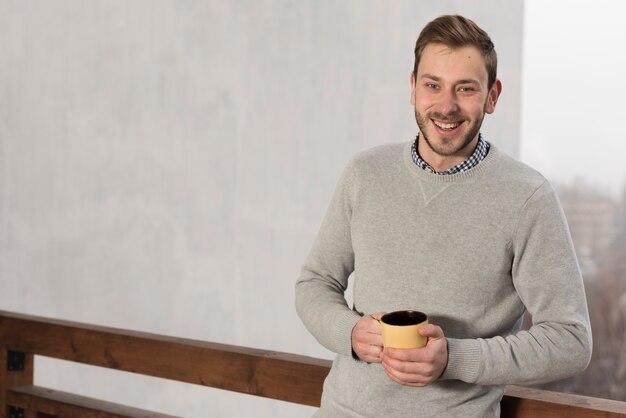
{"type": "Point", "coordinates": [492, 98]}
{"type": "Point", "coordinates": [412, 88]}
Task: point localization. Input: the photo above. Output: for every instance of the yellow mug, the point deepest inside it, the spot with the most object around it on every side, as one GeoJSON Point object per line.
{"type": "Point", "coordinates": [399, 329]}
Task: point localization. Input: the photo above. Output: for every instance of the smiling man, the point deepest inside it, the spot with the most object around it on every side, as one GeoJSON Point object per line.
{"type": "Point", "coordinates": [449, 225]}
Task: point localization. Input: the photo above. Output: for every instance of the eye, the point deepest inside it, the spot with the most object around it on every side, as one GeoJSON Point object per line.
{"type": "Point", "coordinates": [432, 86]}
{"type": "Point", "coordinates": [466, 89]}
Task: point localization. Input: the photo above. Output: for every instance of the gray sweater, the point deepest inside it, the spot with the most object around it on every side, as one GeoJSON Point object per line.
{"type": "Point", "coordinates": [473, 250]}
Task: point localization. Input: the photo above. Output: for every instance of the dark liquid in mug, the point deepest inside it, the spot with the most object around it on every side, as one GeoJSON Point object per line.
{"type": "Point", "coordinates": [404, 318]}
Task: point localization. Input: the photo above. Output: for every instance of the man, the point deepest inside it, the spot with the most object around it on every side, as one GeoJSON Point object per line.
{"type": "Point", "coordinates": [451, 226]}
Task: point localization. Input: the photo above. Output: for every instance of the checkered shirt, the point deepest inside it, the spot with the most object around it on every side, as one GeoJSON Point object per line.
{"type": "Point", "coordinates": [480, 152]}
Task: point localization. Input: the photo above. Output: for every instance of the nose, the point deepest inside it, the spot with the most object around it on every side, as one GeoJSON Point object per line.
{"type": "Point", "coordinates": [447, 102]}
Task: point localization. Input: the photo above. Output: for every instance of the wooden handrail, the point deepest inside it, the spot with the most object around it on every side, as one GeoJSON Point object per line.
{"type": "Point", "coordinates": [270, 374]}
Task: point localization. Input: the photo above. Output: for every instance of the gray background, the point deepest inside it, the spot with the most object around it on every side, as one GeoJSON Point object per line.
{"type": "Point", "coordinates": [165, 165]}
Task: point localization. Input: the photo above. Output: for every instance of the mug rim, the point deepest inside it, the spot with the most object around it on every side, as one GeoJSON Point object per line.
{"type": "Point", "coordinates": [414, 317]}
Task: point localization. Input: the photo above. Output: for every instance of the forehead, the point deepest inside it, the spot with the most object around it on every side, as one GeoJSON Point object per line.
{"type": "Point", "coordinates": [450, 63]}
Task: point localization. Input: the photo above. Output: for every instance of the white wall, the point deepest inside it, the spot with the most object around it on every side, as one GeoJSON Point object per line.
{"type": "Point", "coordinates": [165, 164]}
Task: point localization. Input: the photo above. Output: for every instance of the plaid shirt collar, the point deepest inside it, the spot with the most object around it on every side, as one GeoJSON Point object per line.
{"type": "Point", "coordinates": [480, 152]}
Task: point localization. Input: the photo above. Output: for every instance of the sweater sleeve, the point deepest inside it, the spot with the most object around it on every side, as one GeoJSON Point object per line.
{"type": "Point", "coordinates": [323, 280]}
{"type": "Point", "coordinates": [547, 279]}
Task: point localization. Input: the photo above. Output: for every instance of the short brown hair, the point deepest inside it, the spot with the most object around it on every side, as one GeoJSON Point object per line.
{"type": "Point", "coordinates": [457, 31]}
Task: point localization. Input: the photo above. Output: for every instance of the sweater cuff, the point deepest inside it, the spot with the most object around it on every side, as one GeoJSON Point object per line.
{"type": "Point", "coordinates": [463, 360]}
{"type": "Point", "coordinates": [343, 332]}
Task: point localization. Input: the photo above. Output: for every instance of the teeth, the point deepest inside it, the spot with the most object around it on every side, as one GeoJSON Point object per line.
{"type": "Point", "coordinates": [446, 125]}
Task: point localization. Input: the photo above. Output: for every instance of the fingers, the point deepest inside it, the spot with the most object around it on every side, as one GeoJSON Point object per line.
{"type": "Point", "coordinates": [414, 377]}
{"type": "Point", "coordinates": [367, 342]}
{"type": "Point", "coordinates": [418, 366]}
{"type": "Point", "coordinates": [402, 363]}
{"type": "Point", "coordinates": [369, 353]}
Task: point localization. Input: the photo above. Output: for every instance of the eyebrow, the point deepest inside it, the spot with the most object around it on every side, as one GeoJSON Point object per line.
{"type": "Point", "coordinates": [463, 81]}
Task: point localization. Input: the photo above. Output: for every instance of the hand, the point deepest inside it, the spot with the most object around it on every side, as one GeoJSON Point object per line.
{"type": "Point", "coordinates": [367, 342]}
{"type": "Point", "coordinates": [418, 367]}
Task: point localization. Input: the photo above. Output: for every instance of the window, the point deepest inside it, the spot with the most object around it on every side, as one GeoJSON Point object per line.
{"type": "Point", "coordinates": [572, 108]}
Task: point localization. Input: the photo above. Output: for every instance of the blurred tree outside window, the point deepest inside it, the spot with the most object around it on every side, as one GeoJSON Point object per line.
{"type": "Point", "coordinates": [571, 108]}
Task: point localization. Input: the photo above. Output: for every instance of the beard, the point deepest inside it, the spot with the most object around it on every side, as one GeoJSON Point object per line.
{"type": "Point", "coordinates": [452, 146]}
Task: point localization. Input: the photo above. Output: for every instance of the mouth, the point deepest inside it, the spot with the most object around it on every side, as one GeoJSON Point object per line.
{"type": "Point", "coordinates": [446, 126]}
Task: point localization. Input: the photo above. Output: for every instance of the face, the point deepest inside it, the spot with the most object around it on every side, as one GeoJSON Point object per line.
{"type": "Point", "coordinates": [451, 98]}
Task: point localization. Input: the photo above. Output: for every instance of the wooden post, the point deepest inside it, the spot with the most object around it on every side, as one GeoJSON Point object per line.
{"type": "Point", "coordinates": [16, 369]}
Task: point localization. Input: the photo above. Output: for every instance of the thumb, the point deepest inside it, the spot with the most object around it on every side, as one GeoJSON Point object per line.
{"type": "Point", "coordinates": [430, 331]}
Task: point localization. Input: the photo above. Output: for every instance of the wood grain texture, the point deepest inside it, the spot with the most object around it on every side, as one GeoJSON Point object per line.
{"type": "Point", "coordinates": [62, 404]}
{"type": "Point", "coordinates": [252, 371]}
{"type": "Point", "coordinates": [529, 402]}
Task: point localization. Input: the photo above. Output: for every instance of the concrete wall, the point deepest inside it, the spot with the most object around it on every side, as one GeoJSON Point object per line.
{"type": "Point", "coordinates": [164, 165]}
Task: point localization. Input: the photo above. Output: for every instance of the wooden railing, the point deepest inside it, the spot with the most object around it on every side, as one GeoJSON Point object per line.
{"type": "Point", "coordinates": [287, 377]}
